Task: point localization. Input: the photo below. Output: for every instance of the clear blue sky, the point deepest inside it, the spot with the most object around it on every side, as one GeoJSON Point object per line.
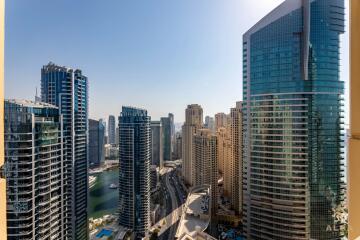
{"type": "Point", "coordinates": [158, 54]}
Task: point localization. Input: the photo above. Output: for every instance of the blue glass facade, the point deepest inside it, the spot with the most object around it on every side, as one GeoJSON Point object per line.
{"type": "Point", "coordinates": [293, 164]}
{"type": "Point", "coordinates": [68, 89]}
{"type": "Point", "coordinates": [111, 129]}
{"type": "Point", "coordinates": [166, 124]}
{"type": "Point", "coordinates": [96, 143]}
{"type": "Point", "coordinates": [34, 170]}
{"type": "Point", "coordinates": [156, 144]}
{"type": "Point", "coordinates": [134, 170]}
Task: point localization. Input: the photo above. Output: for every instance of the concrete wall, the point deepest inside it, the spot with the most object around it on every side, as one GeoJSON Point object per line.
{"type": "Point", "coordinates": [2, 181]}
{"type": "Point", "coordinates": [354, 147]}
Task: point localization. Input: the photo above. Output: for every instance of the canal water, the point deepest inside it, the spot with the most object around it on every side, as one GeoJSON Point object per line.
{"type": "Point", "coordinates": [104, 200]}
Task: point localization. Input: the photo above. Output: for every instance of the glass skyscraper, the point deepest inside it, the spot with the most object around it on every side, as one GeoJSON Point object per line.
{"type": "Point", "coordinates": [35, 171]}
{"type": "Point", "coordinates": [168, 131]}
{"type": "Point", "coordinates": [111, 129]}
{"type": "Point", "coordinates": [68, 89]}
{"type": "Point", "coordinates": [156, 144]}
{"type": "Point", "coordinates": [292, 164]}
{"type": "Point", "coordinates": [96, 143]}
{"type": "Point", "coordinates": [134, 170]}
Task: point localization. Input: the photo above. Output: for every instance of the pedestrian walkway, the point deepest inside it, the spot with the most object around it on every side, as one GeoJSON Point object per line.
{"type": "Point", "coordinates": [166, 222]}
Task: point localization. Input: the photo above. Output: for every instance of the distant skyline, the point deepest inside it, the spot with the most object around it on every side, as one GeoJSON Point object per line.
{"type": "Point", "coordinates": [159, 55]}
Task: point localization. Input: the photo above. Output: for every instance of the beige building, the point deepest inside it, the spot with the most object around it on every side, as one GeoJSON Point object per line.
{"type": "Point", "coordinates": [224, 150]}
{"type": "Point", "coordinates": [178, 146]}
{"type": "Point", "coordinates": [193, 122]}
{"type": "Point", "coordinates": [220, 120]}
{"type": "Point", "coordinates": [198, 235]}
{"type": "Point", "coordinates": [235, 165]}
{"type": "Point", "coordinates": [2, 177]}
{"type": "Point", "coordinates": [230, 156]}
{"type": "Point", "coordinates": [205, 157]}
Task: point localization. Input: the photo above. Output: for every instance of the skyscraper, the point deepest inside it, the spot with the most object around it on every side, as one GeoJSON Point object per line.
{"type": "Point", "coordinates": [205, 163]}
{"type": "Point", "coordinates": [106, 136]}
{"type": "Point", "coordinates": [68, 89]}
{"type": "Point", "coordinates": [293, 168]}
{"type": "Point", "coordinates": [35, 171]}
{"type": "Point", "coordinates": [235, 166]}
{"type": "Point", "coordinates": [111, 129]}
{"type": "Point", "coordinates": [134, 167]}
{"type": "Point", "coordinates": [220, 120]}
{"type": "Point", "coordinates": [172, 133]}
{"type": "Point", "coordinates": [156, 144]}
{"type": "Point", "coordinates": [117, 136]}
{"type": "Point", "coordinates": [178, 146]}
{"type": "Point", "coordinates": [167, 124]}
{"type": "Point", "coordinates": [96, 143]}
{"type": "Point", "coordinates": [210, 123]}
{"type": "Point", "coordinates": [225, 151]}
{"type": "Point", "coordinates": [193, 122]}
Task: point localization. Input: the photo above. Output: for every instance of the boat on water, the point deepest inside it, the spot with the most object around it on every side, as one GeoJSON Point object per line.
{"type": "Point", "coordinates": [95, 171]}
{"type": "Point", "coordinates": [92, 180]}
{"type": "Point", "coordinates": [113, 186]}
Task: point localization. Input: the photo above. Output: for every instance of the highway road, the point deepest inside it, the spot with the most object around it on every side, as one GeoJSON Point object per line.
{"type": "Point", "coordinates": [175, 197]}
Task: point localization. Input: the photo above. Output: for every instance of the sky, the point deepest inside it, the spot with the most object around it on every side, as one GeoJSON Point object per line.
{"type": "Point", "coordinates": [159, 55]}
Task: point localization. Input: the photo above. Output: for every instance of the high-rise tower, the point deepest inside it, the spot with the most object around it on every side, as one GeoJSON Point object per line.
{"type": "Point", "coordinates": [235, 166]}
{"type": "Point", "coordinates": [96, 143]}
{"type": "Point", "coordinates": [293, 165]}
{"type": "Point", "coordinates": [68, 89]}
{"type": "Point", "coordinates": [168, 132]}
{"type": "Point", "coordinates": [209, 123]}
{"type": "Point", "coordinates": [225, 151]}
{"type": "Point", "coordinates": [178, 146]}
{"type": "Point", "coordinates": [205, 160]}
{"type": "Point", "coordinates": [156, 144]}
{"type": "Point", "coordinates": [172, 133]}
{"type": "Point", "coordinates": [193, 122]}
{"type": "Point", "coordinates": [220, 120]}
{"type": "Point", "coordinates": [35, 171]}
{"type": "Point", "coordinates": [111, 129]}
{"type": "Point", "coordinates": [134, 167]}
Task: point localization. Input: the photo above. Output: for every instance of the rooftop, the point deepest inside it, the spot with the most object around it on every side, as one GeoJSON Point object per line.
{"type": "Point", "coordinates": [30, 103]}
{"type": "Point", "coordinates": [197, 236]}
{"type": "Point", "coordinates": [283, 9]}
{"type": "Point", "coordinates": [133, 111]}
{"type": "Point", "coordinates": [196, 214]}
{"type": "Point", "coordinates": [50, 67]}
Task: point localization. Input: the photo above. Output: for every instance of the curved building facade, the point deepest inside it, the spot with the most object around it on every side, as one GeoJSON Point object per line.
{"type": "Point", "coordinates": [134, 170]}
{"type": "Point", "coordinates": [292, 163]}
{"type": "Point", "coordinates": [35, 171]}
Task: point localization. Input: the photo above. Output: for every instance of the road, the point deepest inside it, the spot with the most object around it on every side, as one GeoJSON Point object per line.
{"type": "Point", "coordinates": [174, 195]}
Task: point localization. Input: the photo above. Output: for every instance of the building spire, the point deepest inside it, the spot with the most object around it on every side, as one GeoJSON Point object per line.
{"type": "Point", "coordinates": [37, 98]}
